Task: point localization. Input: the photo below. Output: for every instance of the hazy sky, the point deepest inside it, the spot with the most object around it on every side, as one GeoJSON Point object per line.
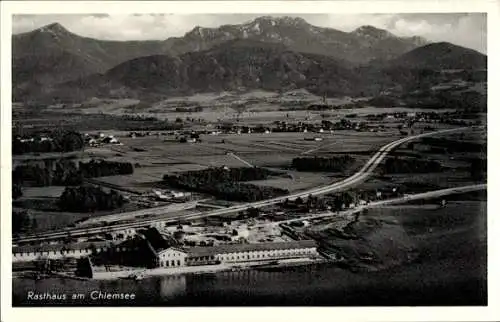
{"type": "Point", "coordinates": [467, 30]}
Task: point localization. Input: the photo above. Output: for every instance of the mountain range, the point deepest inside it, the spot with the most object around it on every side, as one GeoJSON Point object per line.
{"type": "Point", "coordinates": [267, 53]}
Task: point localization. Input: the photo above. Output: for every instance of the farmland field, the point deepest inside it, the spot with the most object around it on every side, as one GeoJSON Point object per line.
{"type": "Point", "coordinates": [43, 192]}
{"type": "Point", "coordinates": [298, 181]}
{"type": "Point", "coordinates": [256, 106]}
{"type": "Point", "coordinates": [274, 150]}
{"type": "Point", "coordinates": [159, 153]}
{"type": "Point", "coordinates": [47, 220]}
{"type": "Point", "coordinates": [389, 236]}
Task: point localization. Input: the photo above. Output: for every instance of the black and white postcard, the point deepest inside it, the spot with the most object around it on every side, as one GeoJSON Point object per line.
{"type": "Point", "coordinates": [265, 156]}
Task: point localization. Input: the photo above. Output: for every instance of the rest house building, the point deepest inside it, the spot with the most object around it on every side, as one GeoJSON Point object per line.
{"type": "Point", "coordinates": [236, 253]}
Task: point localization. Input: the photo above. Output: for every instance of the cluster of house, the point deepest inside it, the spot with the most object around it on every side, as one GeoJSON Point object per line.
{"type": "Point", "coordinates": [99, 139]}
{"type": "Point", "coordinates": [149, 133]}
{"type": "Point", "coordinates": [170, 195]}
{"type": "Point", "coordinates": [313, 138]}
{"type": "Point", "coordinates": [278, 126]}
{"type": "Point", "coordinates": [33, 139]}
{"type": "Point", "coordinates": [194, 236]}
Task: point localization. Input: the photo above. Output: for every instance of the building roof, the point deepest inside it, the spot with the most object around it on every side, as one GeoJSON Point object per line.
{"type": "Point", "coordinates": [171, 248]}
{"type": "Point", "coordinates": [236, 248]}
{"type": "Point", "coordinates": [58, 247]}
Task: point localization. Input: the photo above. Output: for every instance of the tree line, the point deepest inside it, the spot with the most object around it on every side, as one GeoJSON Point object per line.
{"type": "Point", "coordinates": [57, 141]}
{"type": "Point", "coordinates": [64, 172]}
{"type": "Point", "coordinates": [67, 173]}
{"type": "Point", "coordinates": [224, 174]}
{"type": "Point", "coordinates": [226, 183]}
{"type": "Point", "coordinates": [89, 199]}
{"type": "Point", "coordinates": [383, 101]}
{"type": "Point", "coordinates": [104, 168]}
{"type": "Point", "coordinates": [189, 109]}
{"type": "Point", "coordinates": [17, 191]}
{"type": "Point", "coordinates": [478, 169]}
{"type": "Point", "coordinates": [337, 201]}
{"type": "Point", "coordinates": [452, 146]}
{"type": "Point", "coordinates": [22, 221]}
{"type": "Point", "coordinates": [398, 165]}
{"type": "Point", "coordinates": [335, 164]}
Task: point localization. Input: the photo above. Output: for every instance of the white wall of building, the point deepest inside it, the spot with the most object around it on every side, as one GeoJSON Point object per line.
{"type": "Point", "coordinates": [56, 254]}
{"type": "Point", "coordinates": [171, 258]}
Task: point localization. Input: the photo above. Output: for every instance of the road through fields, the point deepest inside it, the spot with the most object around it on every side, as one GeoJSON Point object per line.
{"type": "Point", "coordinates": [358, 177]}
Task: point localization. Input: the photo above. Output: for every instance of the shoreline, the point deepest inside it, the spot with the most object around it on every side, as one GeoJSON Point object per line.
{"type": "Point", "coordinates": [202, 269]}
{"type": "Point", "coordinates": [186, 270]}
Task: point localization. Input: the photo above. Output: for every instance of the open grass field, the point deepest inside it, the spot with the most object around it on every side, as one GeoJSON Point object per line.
{"type": "Point", "coordinates": [49, 217]}
{"type": "Point", "coordinates": [42, 192]}
{"type": "Point", "coordinates": [156, 155]}
{"type": "Point", "coordinates": [474, 136]}
{"type": "Point", "coordinates": [96, 105]}
{"type": "Point", "coordinates": [433, 181]}
{"type": "Point", "coordinates": [271, 159]}
{"type": "Point", "coordinates": [140, 181]}
{"type": "Point", "coordinates": [298, 181]}
{"type": "Point", "coordinates": [52, 220]}
{"type": "Point", "coordinates": [274, 150]}
{"type": "Point", "coordinates": [417, 183]}
{"type": "Point", "coordinates": [145, 179]}
{"type": "Point", "coordinates": [384, 237]}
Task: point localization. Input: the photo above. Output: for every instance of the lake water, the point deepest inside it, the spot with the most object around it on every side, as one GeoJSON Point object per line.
{"type": "Point", "coordinates": [438, 283]}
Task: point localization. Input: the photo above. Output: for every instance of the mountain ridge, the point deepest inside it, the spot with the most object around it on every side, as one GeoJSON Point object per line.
{"type": "Point", "coordinates": [202, 59]}
{"type": "Point", "coordinates": [242, 65]}
{"type": "Point", "coordinates": [442, 55]}
{"type": "Point", "coordinates": [287, 30]}
{"type": "Point", "coordinates": [36, 53]}
{"type": "Point", "coordinates": [301, 36]}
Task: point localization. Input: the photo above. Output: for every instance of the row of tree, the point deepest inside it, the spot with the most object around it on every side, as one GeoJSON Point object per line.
{"type": "Point", "coordinates": [410, 165]}
{"type": "Point", "coordinates": [63, 172]}
{"type": "Point", "coordinates": [104, 168]}
{"type": "Point", "coordinates": [57, 141]}
{"type": "Point", "coordinates": [66, 172]}
{"type": "Point", "coordinates": [189, 109]}
{"type": "Point", "coordinates": [478, 169]}
{"type": "Point", "coordinates": [17, 191]}
{"type": "Point", "coordinates": [89, 199]}
{"type": "Point", "coordinates": [232, 191]}
{"type": "Point", "coordinates": [22, 221]}
{"type": "Point", "coordinates": [135, 117]}
{"type": "Point", "coordinates": [224, 174]}
{"type": "Point", "coordinates": [334, 164]}
{"type": "Point", "coordinates": [453, 146]}
{"type": "Point", "coordinates": [226, 183]}
{"type": "Point", "coordinates": [336, 201]}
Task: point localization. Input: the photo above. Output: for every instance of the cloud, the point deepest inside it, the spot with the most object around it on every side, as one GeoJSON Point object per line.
{"type": "Point", "coordinates": [467, 30]}
{"type": "Point", "coordinates": [460, 28]}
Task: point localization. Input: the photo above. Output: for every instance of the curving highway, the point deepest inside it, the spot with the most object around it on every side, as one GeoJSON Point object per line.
{"type": "Point", "coordinates": [358, 177]}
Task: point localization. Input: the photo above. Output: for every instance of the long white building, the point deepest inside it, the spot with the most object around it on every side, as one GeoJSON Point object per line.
{"type": "Point", "coordinates": [58, 251]}
{"type": "Point", "coordinates": [237, 253]}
